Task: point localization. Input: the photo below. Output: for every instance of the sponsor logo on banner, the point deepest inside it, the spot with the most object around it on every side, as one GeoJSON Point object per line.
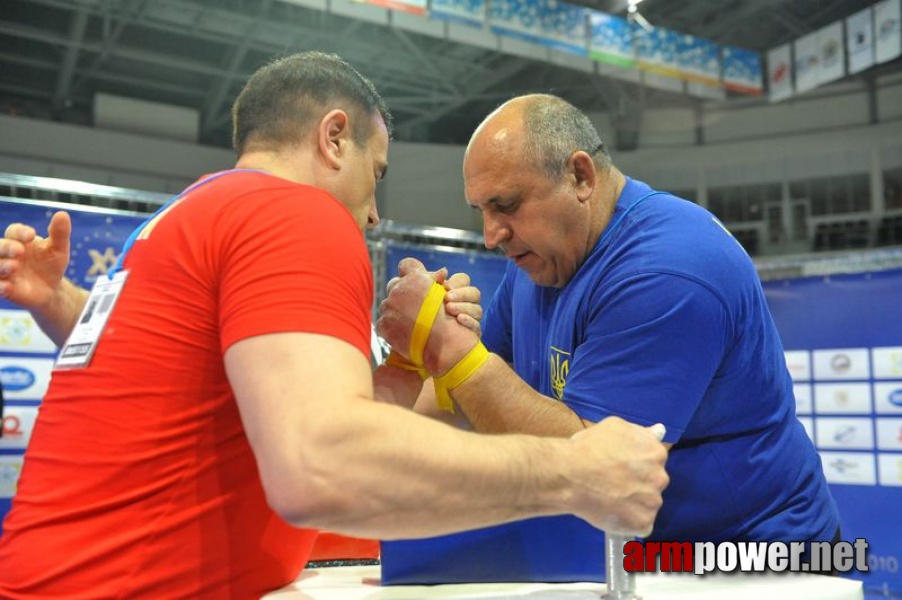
{"type": "Point", "coordinates": [889, 467]}
{"type": "Point", "coordinates": [842, 398]}
{"type": "Point", "coordinates": [15, 379]}
{"type": "Point", "coordinates": [96, 251]}
{"type": "Point", "coordinates": [842, 363]}
{"type": "Point", "coordinates": [887, 362]}
{"type": "Point", "coordinates": [889, 434]}
{"type": "Point", "coordinates": [888, 397]}
{"type": "Point", "coordinates": [25, 378]}
{"type": "Point", "coordinates": [850, 468]}
{"type": "Point", "coordinates": [17, 425]}
{"type": "Point", "coordinates": [798, 362]}
{"type": "Point", "coordinates": [860, 40]}
{"type": "Point", "coordinates": [93, 256]}
{"type": "Point", "coordinates": [807, 62]}
{"type": "Point", "coordinates": [888, 42]}
{"type": "Point", "coordinates": [19, 333]}
{"type": "Point", "coordinates": [10, 468]}
{"type": "Point", "coordinates": [851, 433]}
{"type": "Point", "coordinates": [833, 53]}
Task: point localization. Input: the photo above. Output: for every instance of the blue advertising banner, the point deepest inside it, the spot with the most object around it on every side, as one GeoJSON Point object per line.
{"type": "Point", "coordinates": [658, 50]}
{"type": "Point", "coordinates": [611, 40]}
{"type": "Point", "coordinates": [843, 340]}
{"type": "Point", "coordinates": [467, 12]}
{"type": "Point", "coordinates": [563, 27]}
{"type": "Point", "coordinates": [26, 354]}
{"type": "Point", "coordinates": [517, 19]}
{"type": "Point", "coordinates": [742, 71]}
{"type": "Point", "coordinates": [544, 22]}
{"type": "Point", "coordinates": [698, 60]}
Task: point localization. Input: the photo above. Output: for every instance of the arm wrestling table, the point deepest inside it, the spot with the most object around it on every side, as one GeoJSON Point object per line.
{"type": "Point", "coordinates": [362, 583]}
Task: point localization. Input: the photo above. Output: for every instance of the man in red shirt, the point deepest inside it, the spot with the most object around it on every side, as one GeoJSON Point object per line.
{"type": "Point", "coordinates": [227, 411]}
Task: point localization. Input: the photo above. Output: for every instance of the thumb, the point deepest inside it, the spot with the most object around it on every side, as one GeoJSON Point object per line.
{"type": "Point", "coordinates": [441, 275]}
{"type": "Point", "coordinates": [59, 231]}
{"type": "Point", "coordinates": [410, 265]}
{"type": "Point", "coordinates": [658, 430]}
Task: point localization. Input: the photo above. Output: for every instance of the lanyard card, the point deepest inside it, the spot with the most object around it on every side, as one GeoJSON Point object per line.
{"type": "Point", "coordinates": [82, 342]}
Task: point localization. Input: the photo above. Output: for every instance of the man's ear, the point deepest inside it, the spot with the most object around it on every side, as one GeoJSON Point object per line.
{"type": "Point", "coordinates": [332, 136]}
{"type": "Point", "coordinates": [583, 172]}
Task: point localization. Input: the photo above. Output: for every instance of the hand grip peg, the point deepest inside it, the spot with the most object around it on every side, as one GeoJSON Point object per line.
{"type": "Point", "coordinates": [621, 585]}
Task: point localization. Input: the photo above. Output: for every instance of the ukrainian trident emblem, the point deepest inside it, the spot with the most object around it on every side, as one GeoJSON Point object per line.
{"type": "Point", "coordinates": [560, 367]}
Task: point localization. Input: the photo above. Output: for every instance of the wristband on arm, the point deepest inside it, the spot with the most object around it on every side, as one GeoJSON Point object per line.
{"type": "Point", "coordinates": [457, 374]}
{"type": "Point", "coordinates": [421, 328]}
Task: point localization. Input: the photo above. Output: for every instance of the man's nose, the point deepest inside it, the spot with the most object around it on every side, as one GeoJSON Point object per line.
{"type": "Point", "coordinates": [494, 231]}
{"type": "Point", "coordinates": [373, 218]}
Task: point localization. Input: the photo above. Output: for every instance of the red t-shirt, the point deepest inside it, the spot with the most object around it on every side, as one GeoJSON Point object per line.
{"type": "Point", "coordinates": [139, 481]}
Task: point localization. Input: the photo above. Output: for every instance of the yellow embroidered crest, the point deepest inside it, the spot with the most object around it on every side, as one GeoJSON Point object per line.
{"type": "Point", "coordinates": [560, 367]}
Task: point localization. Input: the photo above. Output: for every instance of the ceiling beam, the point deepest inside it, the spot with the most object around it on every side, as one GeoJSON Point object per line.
{"type": "Point", "coordinates": [217, 96]}
{"type": "Point", "coordinates": [515, 66]}
{"type": "Point", "coordinates": [63, 87]}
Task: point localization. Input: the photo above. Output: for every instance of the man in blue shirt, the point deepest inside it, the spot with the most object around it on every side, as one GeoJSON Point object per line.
{"type": "Point", "coordinates": [622, 300]}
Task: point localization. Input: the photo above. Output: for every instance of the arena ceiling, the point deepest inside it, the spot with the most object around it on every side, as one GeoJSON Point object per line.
{"type": "Point", "coordinates": [56, 54]}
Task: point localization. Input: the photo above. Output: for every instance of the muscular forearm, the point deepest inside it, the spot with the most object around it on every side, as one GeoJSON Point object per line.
{"type": "Point", "coordinates": [332, 458]}
{"type": "Point", "coordinates": [57, 318]}
{"type": "Point", "coordinates": [385, 485]}
{"type": "Point", "coordinates": [496, 400]}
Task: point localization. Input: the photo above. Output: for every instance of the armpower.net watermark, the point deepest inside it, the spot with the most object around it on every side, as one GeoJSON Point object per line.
{"type": "Point", "coordinates": [746, 557]}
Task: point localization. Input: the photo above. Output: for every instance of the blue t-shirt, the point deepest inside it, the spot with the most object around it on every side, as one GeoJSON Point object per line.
{"type": "Point", "coordinates": [666, 322]}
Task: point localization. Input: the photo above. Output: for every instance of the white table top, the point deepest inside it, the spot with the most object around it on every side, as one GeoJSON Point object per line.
{"type": "Point", "coordinates": [362, 583]}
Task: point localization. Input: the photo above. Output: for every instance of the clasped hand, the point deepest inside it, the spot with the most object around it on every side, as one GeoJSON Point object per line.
{"type": "Point", "coordinates": [456, 328]}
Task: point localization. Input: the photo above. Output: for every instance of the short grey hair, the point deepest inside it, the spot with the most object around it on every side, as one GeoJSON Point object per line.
{"type": "Point", "coordinates": [554, 129]}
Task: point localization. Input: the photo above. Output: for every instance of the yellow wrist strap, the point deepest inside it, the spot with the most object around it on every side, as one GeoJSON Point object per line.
{"type": "Point", "coordinates": [459, 373]}
{"type": "Point", "coordinates": [396, 360]}
{"type": "Point", "coordinates": [423, 325]}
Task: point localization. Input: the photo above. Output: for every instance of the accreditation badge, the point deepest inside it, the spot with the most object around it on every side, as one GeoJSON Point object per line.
{"type": "Point", "coordinates": [79, 348]}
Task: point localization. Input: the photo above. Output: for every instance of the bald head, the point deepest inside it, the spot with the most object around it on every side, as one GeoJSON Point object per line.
{"type": "Point", "coordinates": [541, 130]}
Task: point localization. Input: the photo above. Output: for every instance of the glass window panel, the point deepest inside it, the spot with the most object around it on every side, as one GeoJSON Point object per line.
{"type": "Point", "coordinates": [861, 193]}
{"type": "Point", "coordinates": [717, 203]}
{"type": "Point", "coordinates": [840, 195]}
{"type": "Point", "coordinates": [820, 199]}
{"type": "Point", "coordinates": [798, 190]}
{"type": "Point", "coordinates": [892, 188]}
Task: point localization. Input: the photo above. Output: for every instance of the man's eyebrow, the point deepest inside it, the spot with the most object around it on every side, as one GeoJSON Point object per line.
{"type": "Point", "coordinates": [494, 201]}
{"type": "Point", "coordinates": [383, 171]}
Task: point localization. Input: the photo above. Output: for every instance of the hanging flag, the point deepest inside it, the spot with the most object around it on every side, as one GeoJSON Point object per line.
{"type": "Point", "coordinates": [779, 73]}
{"type": "Point", "coordinates": [741, 70]}
{"type": "Point", "coordinates": [833, 53]}
{"type": "Point", "coordinates": [886, 30]}
{"type": "Point", "coordinates": [807, 64]}
{"type": "Point", "coordinates": [860, 40]}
